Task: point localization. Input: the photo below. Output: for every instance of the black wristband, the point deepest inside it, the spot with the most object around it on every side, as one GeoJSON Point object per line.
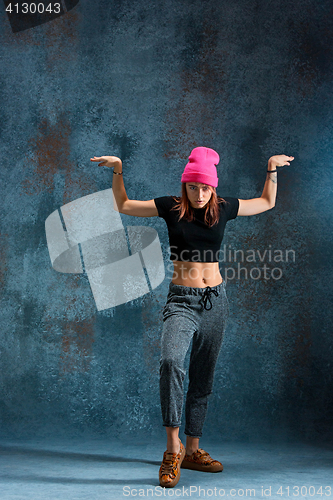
{"type": "Point", "coordinates": [277, 167]}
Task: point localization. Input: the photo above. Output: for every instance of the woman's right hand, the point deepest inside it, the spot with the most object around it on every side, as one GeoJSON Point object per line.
{"type": "Point", "coordinates": [107, 161]}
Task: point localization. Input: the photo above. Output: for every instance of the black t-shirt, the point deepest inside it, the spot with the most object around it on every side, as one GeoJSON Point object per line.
{"type": "Point", "coordinates": [195, 241]}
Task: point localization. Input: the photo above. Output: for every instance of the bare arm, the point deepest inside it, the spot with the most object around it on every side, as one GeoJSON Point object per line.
{"type": "Point", "coordinates": [122, 204]}
{"type": "Point", "coordinates": [268, 197]}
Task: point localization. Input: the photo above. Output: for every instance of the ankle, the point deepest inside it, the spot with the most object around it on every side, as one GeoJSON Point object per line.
{"type": "Point", "coordinates": [192, 445]}
{"type": "Point", "coordinates": [173, 441]}
{"type": "Point", "coordinates": [173, 447]}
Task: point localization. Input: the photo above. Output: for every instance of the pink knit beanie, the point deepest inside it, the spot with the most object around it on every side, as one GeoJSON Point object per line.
{"type": "Point", "coordinates": [202, 167]}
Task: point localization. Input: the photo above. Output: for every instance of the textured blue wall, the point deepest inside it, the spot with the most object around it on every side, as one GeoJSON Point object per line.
{"type": "Point", "coordinates": [149, 82]}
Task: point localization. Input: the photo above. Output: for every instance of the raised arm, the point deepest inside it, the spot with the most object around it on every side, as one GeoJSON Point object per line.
{"type": "Point", "coordinates": [268, 197]}
{"type": "Point", "coordinates": [122, 204]}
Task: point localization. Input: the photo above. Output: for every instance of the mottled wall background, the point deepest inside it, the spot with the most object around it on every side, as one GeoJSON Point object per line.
{"type": "Point", "coordinates": [149, 82]}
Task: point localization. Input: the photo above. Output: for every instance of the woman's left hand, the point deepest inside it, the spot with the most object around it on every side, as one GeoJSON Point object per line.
{"type": "Point", "coordinates": [279, 161]}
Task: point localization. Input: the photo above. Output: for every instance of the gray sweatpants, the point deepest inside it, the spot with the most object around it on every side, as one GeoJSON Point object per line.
{"type": "Point", "coordinates": [196, 315]}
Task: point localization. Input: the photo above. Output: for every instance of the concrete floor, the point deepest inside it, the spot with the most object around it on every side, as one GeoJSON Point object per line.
{"type": "Point", "coordinates": [97, 470]}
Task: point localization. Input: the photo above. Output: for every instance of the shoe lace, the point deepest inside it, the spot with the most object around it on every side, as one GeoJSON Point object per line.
{"type": "Point", "coordinates": [169, 464]}
{"type": "Point", "coordinates": [205, 457]}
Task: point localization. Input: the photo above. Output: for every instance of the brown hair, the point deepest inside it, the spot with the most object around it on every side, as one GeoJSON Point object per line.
{"type": "Point", "coordinates": [212, 211]}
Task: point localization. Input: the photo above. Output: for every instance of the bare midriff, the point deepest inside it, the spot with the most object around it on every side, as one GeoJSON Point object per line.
{"type": "Point", "coordinates": [196, 274]}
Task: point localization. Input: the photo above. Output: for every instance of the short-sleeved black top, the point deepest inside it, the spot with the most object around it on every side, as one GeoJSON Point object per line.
{"type": "Point", "coordinates": [195, 241]}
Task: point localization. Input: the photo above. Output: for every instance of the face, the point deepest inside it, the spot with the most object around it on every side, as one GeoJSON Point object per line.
{"type": "Point", "coordinates": [198, 194]}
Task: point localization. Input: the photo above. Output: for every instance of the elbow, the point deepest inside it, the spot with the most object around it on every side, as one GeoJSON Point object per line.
{"type": "Point", "coordinates": [117, 207]}
{"type": "Point", "coordinates": [269, 203]}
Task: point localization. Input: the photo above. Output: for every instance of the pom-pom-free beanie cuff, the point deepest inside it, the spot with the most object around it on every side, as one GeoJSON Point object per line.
{"type": "Point", "coordinates": [211, 180]}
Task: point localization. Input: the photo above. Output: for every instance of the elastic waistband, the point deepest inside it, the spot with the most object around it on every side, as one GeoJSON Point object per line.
{"type": "Point", "coordinates": [187, 290]}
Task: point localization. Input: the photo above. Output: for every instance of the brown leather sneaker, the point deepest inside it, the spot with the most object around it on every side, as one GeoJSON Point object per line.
{"type": "Point", "coordinates": [170, 469]}
{"type": "Point", "coordinates": [201, 460]}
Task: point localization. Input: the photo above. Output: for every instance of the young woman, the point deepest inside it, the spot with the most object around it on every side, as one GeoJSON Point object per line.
{"type": "Point", "coordinates": [197, 306]}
